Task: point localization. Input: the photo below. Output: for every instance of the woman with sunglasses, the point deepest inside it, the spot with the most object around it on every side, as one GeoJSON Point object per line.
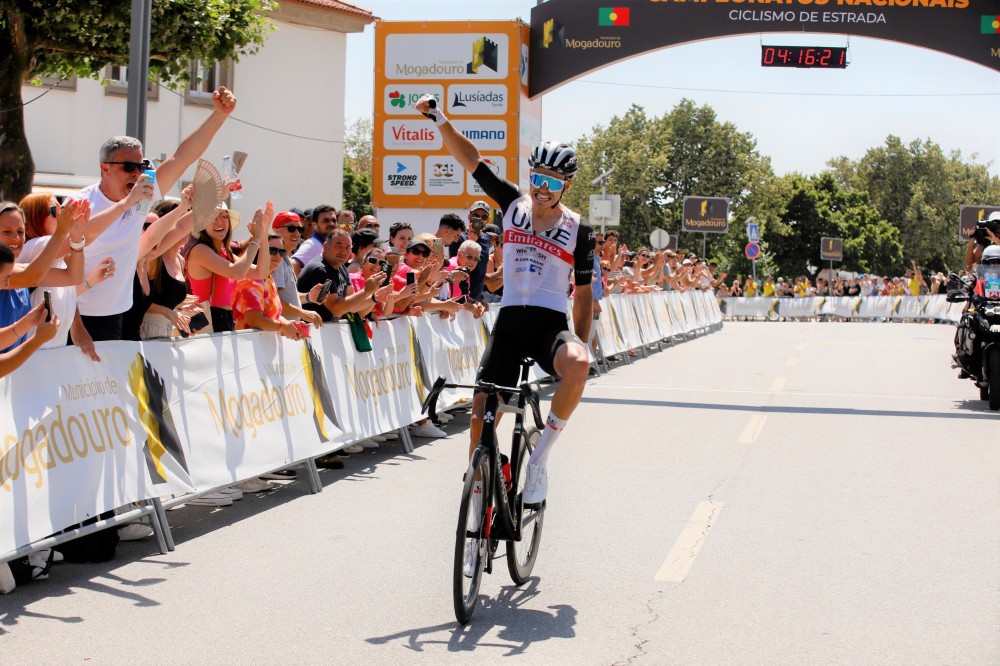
{"type": "Point", "coordinates": [547, 245]}
{"type": "Point", "coordinates": [213, 269]}
{"type": "Point", "coordinates": [45, 266]}
{"type": "Point", "coordinates": [256, 303]}
{"type": "Point", "coordinates": [385, 297]}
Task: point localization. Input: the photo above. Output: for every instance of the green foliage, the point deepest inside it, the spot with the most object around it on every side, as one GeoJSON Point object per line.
{"type": "Point", "coordinates": [358, 139]}
{"type": "Point", "coordinates": [919, 190]}
{"type": "Point", "coordinates": [357, 191]}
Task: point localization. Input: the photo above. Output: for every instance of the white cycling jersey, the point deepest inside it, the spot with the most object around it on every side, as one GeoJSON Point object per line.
{"type": "Point", "coordinates": [538, 267]}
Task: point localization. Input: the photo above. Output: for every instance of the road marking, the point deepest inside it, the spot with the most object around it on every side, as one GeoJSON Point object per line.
{"type": "Point", "coordinates": [800, 346]}
{"type": "Point", "coordinates": [778, 384]}
{"type": "Point", "coordinates": [752, 431]}
{"type": "Point", "coordinates": [596, 385]}
{"type": "Point", "coordinates": [794, 360]}
{"type": "Point", "coordinates": [681, 557]}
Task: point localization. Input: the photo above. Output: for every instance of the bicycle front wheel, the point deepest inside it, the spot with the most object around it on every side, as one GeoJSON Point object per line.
{"type": "Point", "coordinates": [521, 555]}
{"type": "Point", "coordinates": [470, 537]}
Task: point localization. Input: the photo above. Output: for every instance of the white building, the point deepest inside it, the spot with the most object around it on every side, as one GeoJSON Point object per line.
{"type": "Point", "coordinates": [289, 114]}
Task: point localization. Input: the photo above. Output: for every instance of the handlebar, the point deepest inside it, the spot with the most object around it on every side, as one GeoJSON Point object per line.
{"type": "Point", "coordinates": [429, 405]}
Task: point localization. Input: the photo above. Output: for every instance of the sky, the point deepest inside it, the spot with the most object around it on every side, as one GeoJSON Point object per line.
{"type": "Point", "coordinates": [799, 118]}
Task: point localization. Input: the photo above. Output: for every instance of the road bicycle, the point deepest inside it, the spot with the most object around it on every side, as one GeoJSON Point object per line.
{"type": "Point", "coordinates": [500, 514]}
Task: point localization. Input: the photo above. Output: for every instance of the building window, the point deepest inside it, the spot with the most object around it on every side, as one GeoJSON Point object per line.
{"type": "Point", "coordinates": [116, 80]}
{"type": "Point", "coordinates": [206, 79]}
{"type": "Point", "coordinates": [69, 83]}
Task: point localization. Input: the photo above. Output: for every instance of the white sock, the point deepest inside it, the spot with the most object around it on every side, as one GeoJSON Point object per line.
{"type": "Point", "coordinates": [477, 504]}
{"type": "Point", "coordinates": [553, 426]}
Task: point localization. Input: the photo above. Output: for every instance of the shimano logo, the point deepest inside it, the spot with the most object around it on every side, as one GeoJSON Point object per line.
{"type": "Point", "coordinates": [485, 135]}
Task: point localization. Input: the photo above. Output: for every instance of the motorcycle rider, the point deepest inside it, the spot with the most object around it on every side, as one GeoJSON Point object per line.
{"type": "Point", "coordinates": [967, 346]}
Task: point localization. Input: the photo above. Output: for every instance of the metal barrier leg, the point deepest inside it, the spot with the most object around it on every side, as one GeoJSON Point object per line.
{"type": "Point", "coordinates": [312, 475]}
{"type": "Point", "coordinates": [161, 528]}
{"type": "Point", "coordinates": [404, 437]}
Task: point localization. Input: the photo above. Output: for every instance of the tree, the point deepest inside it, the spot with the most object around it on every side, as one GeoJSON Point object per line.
{"type": "Point", "coordinates": [919, 190]}
{"type": "Point", "coordinates": [358, 146]}
{"type": "Point", "coordinates": [80, 38]}
{"type": "Point", "coordinates": [357, 191]}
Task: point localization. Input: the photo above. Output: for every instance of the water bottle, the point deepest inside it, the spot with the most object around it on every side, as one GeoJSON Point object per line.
{"type": "Point", "coordinates": [142, 208]}
{"type": "Point", "coordinates": [231, 177]}
{"type": "Point", "coordinates": [505, 467]}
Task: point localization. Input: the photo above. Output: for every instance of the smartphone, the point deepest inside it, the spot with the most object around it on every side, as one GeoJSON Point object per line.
{"type": "Point", "coordinates": [325, 291]}
{"type": "Point", "coordinates": [303, 327]}
{"type": "Point", "coordinates": [386, 268]}
{"type": "Point", "coordinates": [463, 287]}
{"type": "Point", "coordinates": [198, 322]}
{"type": "Point", "coordinates": [411, 278]}
{"type": "Point", "coordinates": [463, 299]}
{"type": "Point", "coordinates": [439, 247]}
{"type": "Point", "coordinates": [47, 299]}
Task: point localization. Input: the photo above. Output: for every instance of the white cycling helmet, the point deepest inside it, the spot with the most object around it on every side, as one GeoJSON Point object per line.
{"type": "Point", "coordinates": [556, 156]}
{"type": "Point", "coordinates": [991, 256]}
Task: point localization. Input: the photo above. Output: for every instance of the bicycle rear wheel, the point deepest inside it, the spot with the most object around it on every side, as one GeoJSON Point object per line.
{"type": "Point", "coordinates": [471, 534]}
{"type": "Point", "coordinates": [521, 555]}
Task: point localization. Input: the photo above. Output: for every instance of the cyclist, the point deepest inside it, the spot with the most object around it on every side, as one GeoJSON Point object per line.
{"type": "Point", "coordinates": [545, 243]}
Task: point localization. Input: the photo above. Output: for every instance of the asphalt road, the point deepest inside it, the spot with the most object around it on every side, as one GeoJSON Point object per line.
{"type": "Point", "coordinates": [773, 493]}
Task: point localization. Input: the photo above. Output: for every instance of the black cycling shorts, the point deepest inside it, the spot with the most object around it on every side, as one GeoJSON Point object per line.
{"type": "Point", "coordinates": [523, 331]}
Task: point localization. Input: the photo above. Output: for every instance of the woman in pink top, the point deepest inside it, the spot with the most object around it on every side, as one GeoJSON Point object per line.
{"type": "Point", "coordinates": [385, 297]}
{"type": "Point", "coordinates": [212, 269]}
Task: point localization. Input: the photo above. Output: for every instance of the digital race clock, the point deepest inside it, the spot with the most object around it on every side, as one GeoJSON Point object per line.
{"type": "Point", "coordinates": [816, 57]}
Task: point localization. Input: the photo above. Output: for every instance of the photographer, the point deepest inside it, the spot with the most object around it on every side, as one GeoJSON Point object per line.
{"type": "Point", "coordinates": [986, 234]}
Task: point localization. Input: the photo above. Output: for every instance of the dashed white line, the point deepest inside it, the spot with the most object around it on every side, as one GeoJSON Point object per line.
{"type": "Point", "coordinates": [779, 383]}
{"type": "Point", "coordinates": [752, 431]}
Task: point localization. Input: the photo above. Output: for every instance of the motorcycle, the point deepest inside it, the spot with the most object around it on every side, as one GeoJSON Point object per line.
{"type": "Point", "coordinates": [977, 338]}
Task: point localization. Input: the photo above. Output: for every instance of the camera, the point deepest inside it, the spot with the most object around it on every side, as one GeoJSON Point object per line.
{"type": "Point", "coordinates": [980, 233]}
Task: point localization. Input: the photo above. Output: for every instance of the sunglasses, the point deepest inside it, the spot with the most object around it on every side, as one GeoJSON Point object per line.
{"type": "Point", "coordinates": [420, 252]}
{"type": "Point", "coordinates": [539, 179]}
{"type": "Point", "coordinates": [292, 229]}
{"type": "Point", "coordinates": [479, 218]}
{"type": "Point", "coordinates": [54, 211]}
{"type": "Point", "coordinates": [600, 242]}
{"type": "Point", "coordinates": [373, 260]}
{"type": "Point", "coordinates": [276, 251]}
{"type": "Point", "coordinates": [132, 167]}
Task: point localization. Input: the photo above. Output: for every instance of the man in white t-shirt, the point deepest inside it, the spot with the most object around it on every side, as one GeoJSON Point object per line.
{"type": "Point", "coordinates": [116, 224]}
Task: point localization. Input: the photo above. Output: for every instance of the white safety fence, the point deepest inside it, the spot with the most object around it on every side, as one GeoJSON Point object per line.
{"type": "Point", "coordinates": [167, 417]}
{"type": "Point", "coordinates": [887, 308]}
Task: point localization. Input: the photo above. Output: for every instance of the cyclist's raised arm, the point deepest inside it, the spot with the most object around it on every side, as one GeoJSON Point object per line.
{"type": "Point", "coordinates": [456, 143]}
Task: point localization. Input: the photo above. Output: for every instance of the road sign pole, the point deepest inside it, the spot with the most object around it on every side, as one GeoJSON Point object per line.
{"type": "Point", "coordinates": [704, 242]}
{"type": "Point", "coordinates": [753, 268]}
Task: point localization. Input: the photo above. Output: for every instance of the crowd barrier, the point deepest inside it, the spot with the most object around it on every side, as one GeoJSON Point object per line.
{"type": "Point", "coordinates": [887, 308]}
{"type": "Point", "coordinates": [180, 416]}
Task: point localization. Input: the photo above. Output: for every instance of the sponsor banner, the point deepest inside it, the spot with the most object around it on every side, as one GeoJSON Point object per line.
{"type": "Point", "coordinates": [466, 55]}
{"type": "Point", "coordinates": [75, 441]}
{"type": "Point", "coordinates": [372, 392]}
{"type": "Point", "coordinates": [470, 99]}
{"type": "Point", "coordinates": [496, 164]}
{"type": "Point", "coordinates": [570, 38]}
{"type": "Point", "coordinates": [399, 99]}
{"type": "Point", "coordinates": [402, 174]}
{"type": "Point", "coordinates": [706, 214]}
{"type": "Point", "coordinates": [247, 403]}
{"type": "Point", "coordinates": [410, 135]}
{"type": "Point", "coordinates": [452, 349]}
{"type": "Point", "coordinates": [443, 175]}
{"type": "Point", "coordinates": [486, 134]}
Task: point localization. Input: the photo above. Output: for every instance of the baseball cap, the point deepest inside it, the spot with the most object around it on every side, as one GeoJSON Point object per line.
{"type": "Point", "coordinates": [480, 205]}
{"type": "Point", "coordinates": [286, 217]}
{"type": "Point", "coordinates": [491, 229]}
{"type": "Point", "coordinates": [415, 242]}
{"type": "Point", "coordinates": [366, 236]}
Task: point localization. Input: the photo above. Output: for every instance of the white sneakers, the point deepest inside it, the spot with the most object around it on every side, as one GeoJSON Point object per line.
{"type": "Point", "coordinates": [537, 484]}
{"type": "Point", "coordinates": [428, 429]}
{"type": "Point", "coordinates": [211, 499]}
{"type": "Point", "coordinates": [353, 448]}
{"type": "Point", "coordinates": [369, 443]}
{"type": "Point", "coordinates": [134, 531]}
{"type": "Point", "coordinates": [253, 485]}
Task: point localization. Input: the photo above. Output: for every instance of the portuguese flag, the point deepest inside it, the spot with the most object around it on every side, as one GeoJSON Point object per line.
{"type": "Point", "coordinates": [988, 25]}
{"type": "Point", "coordinates": [619, 16]}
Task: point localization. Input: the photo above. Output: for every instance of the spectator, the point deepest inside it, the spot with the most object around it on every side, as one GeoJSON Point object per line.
{"type": "Point", "coordinates": [370, 222]}
{"type": "Point", "coordinates": [371, 263]}
{"type": "Point", "coordinates": [332, 265]}
{"type": "Point", "coordinates": [362, 240]}
{"type": "Point", "coordinates": [324, 219]}
{"type": "Point", "coordinates": [493, 280]}
{"type": "Point", "coordinates": [41, 211]}
{"type": "Point", "coordinates": [213, 269]}
{"type": "Point", "coordinates": [460, 269]}
{"type": "Point", "coordinates": [114, 230]}
{"type": "Point", "coordinates": [479, 216]}
{"type": "Point", "coordinates": [450, 228]}
{"type": "Point", "coordinates": [768, 288]}
{"type": "Point", "coordinates": [735, 290]}
{"type": "Point", "coordinates": [15, 299]}
{"type": "Point", "coordinates": [256, 303]}
{"type": "Point", "coordinates": [288, 226]}
{"type": "Point", "coordinates": [345, 220]}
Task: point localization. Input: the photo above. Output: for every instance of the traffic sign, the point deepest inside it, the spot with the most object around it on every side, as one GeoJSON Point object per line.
{"type": "Point", "coordinates": [752, 250]}
{"type": "Point", "coordinates": [753, 232]}
{"type": "Point", "coordinates": [706, 215]}
{"type": "Point", "coordinates": [831, 249]}
{"type": "Point", "coordinates": [605, 209]}
{"type": "Point", "coordinates": [659, 239]}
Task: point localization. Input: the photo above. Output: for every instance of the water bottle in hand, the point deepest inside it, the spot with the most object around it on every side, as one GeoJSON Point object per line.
{"type": "Point", "coordinates": [231, 177]}
{"type": "Point", "coordinates": [142, 208]}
